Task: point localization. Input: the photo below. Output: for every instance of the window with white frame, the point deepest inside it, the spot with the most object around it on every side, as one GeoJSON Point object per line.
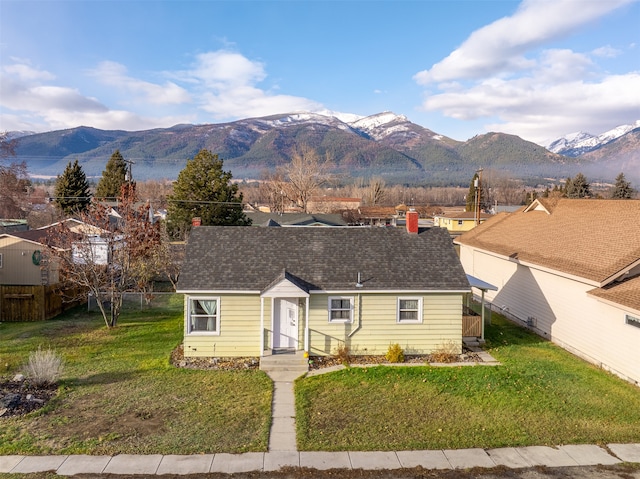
{"type": "Point", "coordinates": [632, 321]}
{"type": "Point", "coordinates": [204, 315]}
{"type": "Point", "coordinates": [409, 310]}
{"type": "Point", "coordinates": [341, 309]}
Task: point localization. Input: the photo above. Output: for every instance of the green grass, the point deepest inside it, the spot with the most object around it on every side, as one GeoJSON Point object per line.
{"type": "Point", "coordinates": [119, 394]}
{"type": "Point", "coordinates": [540, 395]}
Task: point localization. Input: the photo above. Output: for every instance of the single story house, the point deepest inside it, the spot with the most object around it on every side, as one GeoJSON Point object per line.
{"type": "Point", "coordinates": [331, 204]}
{"type": "Point", "coordinates": [259, 218]}
{"type": "Point", "coordinates": [252, 291]}
{"type": "Point", "coordinates": [460, 221]}
{"type": "Point", "coordinates": [569, 269]}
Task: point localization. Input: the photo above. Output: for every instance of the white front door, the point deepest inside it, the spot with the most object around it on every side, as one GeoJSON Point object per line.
{"type": "Point", "coordinates": [285, 323]}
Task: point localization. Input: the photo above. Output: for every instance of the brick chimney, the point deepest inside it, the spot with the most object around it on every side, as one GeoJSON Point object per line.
{"type": "Point", "coordinates": [412, 221]}
{"type": "Point", "coordinates": [196, 221]}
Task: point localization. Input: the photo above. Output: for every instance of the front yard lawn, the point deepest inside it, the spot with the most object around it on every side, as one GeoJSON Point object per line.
{"type": "Point", "coordinates": [540, 395]}
{"type": "Point", "coordinates": [119, 394]}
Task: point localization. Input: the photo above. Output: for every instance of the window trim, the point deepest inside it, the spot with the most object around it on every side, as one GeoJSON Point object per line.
{"type": "Point", "coordinates": [351, 309]}
{"type": "Point", "coordinates": [190, 300]}
{"type": "Point", "coordinates": [419, 310]}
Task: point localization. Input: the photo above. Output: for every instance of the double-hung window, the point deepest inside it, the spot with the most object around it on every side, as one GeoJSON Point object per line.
{"type": "Point", "coordinates": [341, 309]}
{"type": "Point", "coordinates": [409, 310]}
{"type": "Point", "coordinates": [204, 315]}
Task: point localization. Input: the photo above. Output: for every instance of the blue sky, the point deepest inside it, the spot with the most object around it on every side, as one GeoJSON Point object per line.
{"type": "Point", "coordinates": [535, 68]}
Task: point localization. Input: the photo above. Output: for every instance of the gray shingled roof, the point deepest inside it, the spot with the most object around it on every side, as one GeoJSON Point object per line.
{"type": "Point", "coordinates": [239, 258]}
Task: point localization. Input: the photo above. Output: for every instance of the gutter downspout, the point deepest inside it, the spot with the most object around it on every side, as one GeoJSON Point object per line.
{"type": "Point", "coordinates": [261, 326]}
{"type": "Point", "coordinates": [306, 326]}
{"type": "Point", "coordinates": [359, 317]}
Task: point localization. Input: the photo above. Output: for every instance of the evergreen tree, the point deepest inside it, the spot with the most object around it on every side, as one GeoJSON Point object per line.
{"type": "Point", "coordinates": [470, 204]}
{"type": "Point", "coordinates": [203, 190]}
{"type": "Point", "coordinates": [485, 201]}
{"type": "Point", "coordinates": [622, 189]}
{"type": "Point", "coordinates": [72, 190]}
{"type": "Point", "coordinates": [113, 177]}
{"type": "Point", "coordinates": [578, 187]}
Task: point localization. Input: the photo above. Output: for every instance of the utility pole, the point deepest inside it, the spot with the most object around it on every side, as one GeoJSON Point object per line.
{"type": "Point", "coordinates": [478, 185]}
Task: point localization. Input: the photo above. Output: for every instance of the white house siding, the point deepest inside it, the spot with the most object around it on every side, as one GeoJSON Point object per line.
{"type": "Point", "coordinates": [374, 326]}
{"type": "Point", "coordinates": [239, 328]}
{"type": "Point", "coordinates": [560, 309]}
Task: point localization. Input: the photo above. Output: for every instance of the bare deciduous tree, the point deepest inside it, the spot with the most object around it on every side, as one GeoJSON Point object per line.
{"type": "Point", "coordinates": [374, 192]}
{"type": "Point", "coordinates": [107, 260]}
{"type": "Point", "coordinates": [301, 178]}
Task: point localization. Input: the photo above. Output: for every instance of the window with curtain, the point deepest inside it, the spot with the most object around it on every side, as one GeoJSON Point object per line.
{"type": "Point", "coordinates": [203, 315]}
{"type": "Point", "coordinates": [341, 309]}
{"type": "Point", "coordinates": [409, 310]}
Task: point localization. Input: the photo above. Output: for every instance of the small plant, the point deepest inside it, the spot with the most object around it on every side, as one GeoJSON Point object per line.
{"type": "Point", "coordinates": [446, 353]}
{"type": "Point", "coordinates": [342, 353]}
{"type": "Point", "coordinates": [44, 367]}
{"type": "Point", "coordinates": [395, 354]}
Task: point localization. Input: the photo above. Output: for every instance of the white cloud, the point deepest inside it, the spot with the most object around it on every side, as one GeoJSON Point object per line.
{"type": "Point", "coordinates": [499, 47]}
{"type": "Point", "coordinates": [30, 102]}
{"type": "Point", "coordinates": [17, 95]}
{"type": "Point", "coordinates": [501, 73]}
{"type": "Point", "coordinates": [115, 75]}
{"type": "Point", "coordinates": [221, 85]}
{"type": "Point", "coordinates": [606, 51]}
{"type": "Point", "coordinates": [27, 72]}
{"type": "Point", "coordinates": [227, 83]}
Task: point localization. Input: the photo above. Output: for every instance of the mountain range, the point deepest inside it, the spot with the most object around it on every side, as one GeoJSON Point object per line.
{"type": "Point", "coordinates": [386, 145]}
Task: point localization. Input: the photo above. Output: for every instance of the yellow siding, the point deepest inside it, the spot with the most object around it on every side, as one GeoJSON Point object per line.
{"type": "Point", "coordinates": [442, 324]}
{"type": "Point", "coordinates": [240, 326]}
{"type": "Point", "coordinates": [239, 329]}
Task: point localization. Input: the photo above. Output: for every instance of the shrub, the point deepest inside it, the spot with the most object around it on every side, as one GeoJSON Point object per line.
{"type": "Point", "coordinates": [446, 353]}
{"type": "Point", "coordinates": [44, 367]}
{"type": "Point", "coordinates": [342, 353]}
{"type": "Point", "coordinates": [395, 354]}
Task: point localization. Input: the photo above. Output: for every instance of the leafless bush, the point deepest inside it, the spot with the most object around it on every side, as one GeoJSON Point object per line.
{"type": "Point", "coordinates": [446, 353]}
{"type": "Point", "coordinates": [343, 355]}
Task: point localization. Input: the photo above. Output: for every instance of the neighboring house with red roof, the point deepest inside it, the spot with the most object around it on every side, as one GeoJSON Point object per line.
{"type": "Point", "coordinates": [569, 270]}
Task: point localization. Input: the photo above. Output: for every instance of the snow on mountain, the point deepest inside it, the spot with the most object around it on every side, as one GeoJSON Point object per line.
{"type": "Point", "coordinates": [576, 144]}
{"type": "Point", "coordinates": [382, 124]}
{"type": "Point", "coordinates": [296, 118]}
{"type": "Point", "coordinates": [12, 135]}
{"type": "Point", "coordinates": [369, 123]}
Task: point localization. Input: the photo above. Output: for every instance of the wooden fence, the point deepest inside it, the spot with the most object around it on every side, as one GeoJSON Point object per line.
{"type": "Point", "coordinates": [31, 303]}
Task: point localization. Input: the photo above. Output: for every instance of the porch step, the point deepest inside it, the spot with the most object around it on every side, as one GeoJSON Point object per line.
{"type": "Point", "coordinates": [285, 362]}
{"type": "Point", "coordinates": [472, 341]}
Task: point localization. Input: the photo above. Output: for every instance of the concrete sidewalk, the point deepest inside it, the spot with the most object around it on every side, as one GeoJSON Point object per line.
{"type": "Point", "coordinates": [156, 464]}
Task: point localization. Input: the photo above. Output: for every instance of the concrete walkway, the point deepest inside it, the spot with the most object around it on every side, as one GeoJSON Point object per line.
{"type": "Point", "coordinates": [519, 457]}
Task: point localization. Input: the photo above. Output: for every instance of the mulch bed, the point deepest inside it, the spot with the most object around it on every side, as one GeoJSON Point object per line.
{"type": "Point", "coordinates": [316, 362]}
{"type": "Point", "coordinates": [21, 397]}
